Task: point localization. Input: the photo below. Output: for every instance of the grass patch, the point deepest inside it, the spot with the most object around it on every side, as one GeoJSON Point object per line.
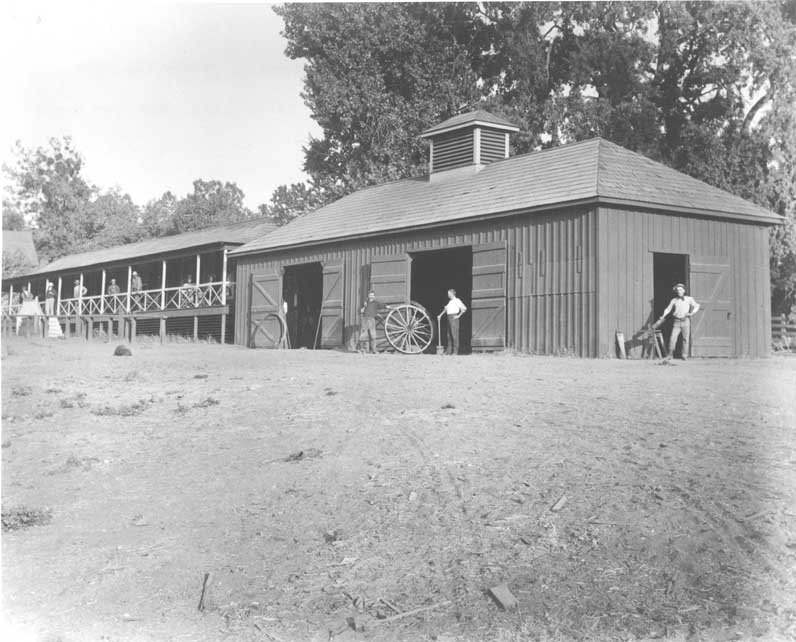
{"type": "Point", "coordinates": [21, 391]}
{"type": "Point", "coordinates": [20, 517]}
{"type": "Point", "coordinates": [43, 414]}
{"type": "Point", "coordinates": [74, 463]}
{"type": "Point", "coordinates": [130, 410]}
{"type": "Point", "coordinates": [78, 400]}
{"type": "Point", "coordinates": [206, 403]}
{"type": "Point", "coordinates": [53, 391]}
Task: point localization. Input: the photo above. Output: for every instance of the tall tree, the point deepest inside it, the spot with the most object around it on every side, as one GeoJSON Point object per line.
{"type": "Point", "coordinates": [290, 201]}
{"type": "Point", "coordinates": [13, 220]}
{"type": "Point", "coordinates": [112, 218]}
{"type": "Point", "coordinates": [377, 74]}
{"type": "Point", "coordinates": [50, 192]}
{"type": "Point", "coordinates": [691, 84]}
{"type": "Point", "coordinates": [158, 215]}
{"type": "Point", "coordinates": [211, 203]}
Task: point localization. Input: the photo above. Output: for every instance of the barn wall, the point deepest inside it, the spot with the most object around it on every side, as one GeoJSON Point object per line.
{"type": "Point", "coordinates": [626, 241]}
{"type": "Point", "coordinates": [551, 276]}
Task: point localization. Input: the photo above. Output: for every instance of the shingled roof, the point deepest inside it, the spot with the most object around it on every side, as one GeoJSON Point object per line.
{"type": "Point", "coordinates": [472, 118]}
{"type": "Point", "coordinates": [591, 171]}
{"type": "Point", "coordinates": [234, 234]}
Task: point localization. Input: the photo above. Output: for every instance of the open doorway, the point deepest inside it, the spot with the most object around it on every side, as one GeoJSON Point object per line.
{"type": "Point", "coordinates": [433, 274]}
{"type": "Point", "coordinates": [667, 269]}
{"type": "Point", "coordinates": [302, 290]}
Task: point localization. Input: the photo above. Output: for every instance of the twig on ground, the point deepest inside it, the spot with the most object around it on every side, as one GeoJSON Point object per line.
{"type": "Point", "coordinates": [422, 609]}
{"type": "Point", "coordinates": [204, 590]}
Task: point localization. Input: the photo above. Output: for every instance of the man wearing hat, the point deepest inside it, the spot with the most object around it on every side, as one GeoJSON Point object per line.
{"type": "Point", "coordinates": [682, 308]}
{"type": "Point", "coordinates": [79, 290]}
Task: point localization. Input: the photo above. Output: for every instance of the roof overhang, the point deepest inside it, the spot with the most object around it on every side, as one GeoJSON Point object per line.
{"type": "Point", "coordinates": [772, 219]}
{"type": "Point", "coordinates": [476, 123]}
{"type": "Point", "coordinates": [140, 258]}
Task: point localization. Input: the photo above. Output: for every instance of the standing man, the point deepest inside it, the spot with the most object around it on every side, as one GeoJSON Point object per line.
{"type": "Point", "coordinates": [369, 311]}
{"type": "Point", "coordinates": [682, 308]}
{"type": "Point", "coordinates": [454, 309]}
{"type": "Point", "coordinates": [136, 284]}
{"type": "Point", "coordinates": [77, 292]}
{"type": "Point", "coordinates": [113, 294]}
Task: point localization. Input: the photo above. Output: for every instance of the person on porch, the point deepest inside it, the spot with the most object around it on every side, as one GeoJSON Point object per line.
{"type": "Point", "coordinates": [113, 295]}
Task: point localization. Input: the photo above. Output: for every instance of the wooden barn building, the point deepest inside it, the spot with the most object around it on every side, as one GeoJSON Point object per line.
{"type": "Point", "coordinates": [182, 284]}
{"type": "Point", "coordinates": [553, 251]}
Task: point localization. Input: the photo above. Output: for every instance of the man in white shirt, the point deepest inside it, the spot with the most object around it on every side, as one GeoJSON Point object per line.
{"type": "Point", "coordinates": [454, 309]}
{"type": "Point", "coordinates": [682, 308]}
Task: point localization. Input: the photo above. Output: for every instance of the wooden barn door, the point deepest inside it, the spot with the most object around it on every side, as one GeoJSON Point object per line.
{"type": "Point", "coordinates": [265, 294]}
{"type": "Point", "coordinates": [389, 280]}
{"type": "Point", "coordinates": [332, 322]}
{"type": "Point", "coordinates": [712, 327]}
{"type": "Point", "coordinates": [489, 296]}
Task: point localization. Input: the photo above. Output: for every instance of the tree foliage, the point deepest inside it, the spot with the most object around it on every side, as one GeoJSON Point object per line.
{"type": "Point", "coordinates": [211, 203]}
{"type": "Point", "coordinates": [48, 193]}
{"type": "Point", "coordinates": [704, 87]}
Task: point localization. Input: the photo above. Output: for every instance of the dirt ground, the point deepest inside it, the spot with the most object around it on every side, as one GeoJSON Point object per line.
{"type": "Point", "coordinates": [329, 495]}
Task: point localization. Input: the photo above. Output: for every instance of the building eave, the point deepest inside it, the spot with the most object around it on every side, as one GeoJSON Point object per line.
{"type": "Point", "coordinates": [476, 123]}
{"type": "Point", "coordinates": [590, 201]}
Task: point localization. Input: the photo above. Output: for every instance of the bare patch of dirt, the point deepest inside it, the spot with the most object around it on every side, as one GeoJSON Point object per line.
{"type": "Point", "coordinates": [610, 499]}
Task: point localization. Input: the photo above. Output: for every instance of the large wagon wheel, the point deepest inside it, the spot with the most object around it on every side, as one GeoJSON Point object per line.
{"type": "Point", "coordinates": [409, 329]}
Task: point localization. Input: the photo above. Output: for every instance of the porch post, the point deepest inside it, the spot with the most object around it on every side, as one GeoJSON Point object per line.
{"type": "Point", "coordinates": [102, 293]}
{"type": "Point", "coordinates": [197, 294]}
{"type": "Point", "coordinates": [58, 302]}
{"type": "Point", "coordinates": [129, 285]}
{"type": "Point", "coordinates": [10, 298]}
{"type": "Point", "coordinates": [80, 297]}
{"type": "Point", "coordinates": [163, 285]}
{"type": "Point", "coordinates": [224, 279]}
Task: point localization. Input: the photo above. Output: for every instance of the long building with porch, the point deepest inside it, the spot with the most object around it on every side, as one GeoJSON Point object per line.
{"type": "Point", "coordinates": [175, 285]}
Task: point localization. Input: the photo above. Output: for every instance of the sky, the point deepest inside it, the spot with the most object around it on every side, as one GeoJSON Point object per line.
{"type": "Point", "coordinates": [157, 95]}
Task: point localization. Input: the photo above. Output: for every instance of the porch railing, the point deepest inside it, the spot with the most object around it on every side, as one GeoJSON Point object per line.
{"type": "Point", "coordinates": [191, 297]}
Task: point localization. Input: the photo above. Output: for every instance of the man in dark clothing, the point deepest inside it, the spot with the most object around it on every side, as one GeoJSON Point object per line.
{"type": "Point", "coordinates": [369, 313]}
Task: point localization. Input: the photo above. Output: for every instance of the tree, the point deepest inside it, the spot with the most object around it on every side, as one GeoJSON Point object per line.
{"type": "Point", "coordinates": [288, 202]}
{"type": "Point", "coordinates": [15, 263]}
{"type": "Point", "coordinates": [158, 215]}
{"type": "Point", "coordinates": [211, 203]}
{"type": "Point", "coordinates": [376, 76]}
{"type": "Point", "coordinates": [691, 84]}
{"type": "Point", "coordinates": [112, 218]}
{"type": "Point", "coordinates": [49, 191]}
{"type": "Point", "coordinates": [12, 217]}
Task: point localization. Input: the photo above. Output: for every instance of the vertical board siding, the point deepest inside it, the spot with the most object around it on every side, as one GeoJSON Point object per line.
{"type": "Point", "coordinates": [550, 307]}
{"type": "Point", "coordinates": [627, 240]}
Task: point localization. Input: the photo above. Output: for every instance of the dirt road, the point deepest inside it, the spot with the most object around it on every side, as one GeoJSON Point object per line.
{"type": "Point", "coordinates": [320, 486]}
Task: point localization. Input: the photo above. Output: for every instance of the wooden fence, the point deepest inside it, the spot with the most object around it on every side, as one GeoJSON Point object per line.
{"type": "Point", "coordinates": [783, 333]}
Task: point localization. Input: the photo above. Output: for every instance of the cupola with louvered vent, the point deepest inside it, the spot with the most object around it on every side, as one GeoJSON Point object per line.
{"type": "Point", "coordinates": [467, 142]}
